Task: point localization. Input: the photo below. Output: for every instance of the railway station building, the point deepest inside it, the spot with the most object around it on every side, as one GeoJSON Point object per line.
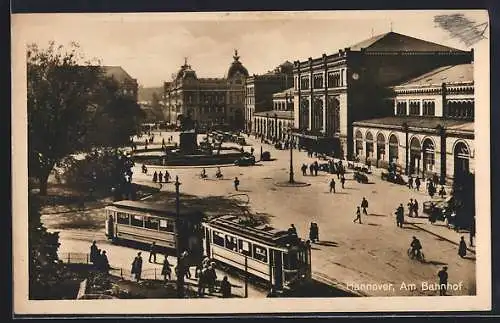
{"type": "Point", "coordinates": [333, 91]}
{"type": "Point", "coordinates": [431, 130]}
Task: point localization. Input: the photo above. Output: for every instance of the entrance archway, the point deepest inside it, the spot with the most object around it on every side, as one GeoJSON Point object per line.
{"type": "Point", "coordinates": [393, 148]}
{"type": "Point", "coordinates": [380, 147]}
{"type": "Point", "coordinates": [461, 155]}
{"type": "Point", "coordinates": [415, 152]}
{"type": "Point", "coordinates": [429, 151]}
{"type": "Point", "coordinates": [369, 144]}
{"type": "Point", "coordinates": [359, 143]}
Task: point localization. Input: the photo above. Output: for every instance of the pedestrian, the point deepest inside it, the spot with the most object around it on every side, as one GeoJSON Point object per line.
{"type": "Point", "coordinates": [410, 182]}
{"type": "Point", "coordinates": [166, 271]}
{"type": "Point", "coordinates": [225, 288]}
{"type": "Point", "coordinates": [312, 235]}
{"type": "Point", "coordinates": [104, 263]}
{"type": "Point", "coordinates": [443, 281]}
{"type": "Point", "coordinates": [369, 164]}
{"type": "Point", "coordinates": [93, 252]}
{"type": "Point", "coordinates": [155, 177]}
{"type": "Point", "coordinates": [417, 183]}
{"type": "Point", "coordinates": [160, 177]}
{"type": "Point", "coordinates": [358, 216]}
{"type": "Point", "coordinates": [236, 183]}
{"type": "Point", "coordinates": [342, 180]}
{"type": "Point", "coordinates": [162, 142]}
{"type": "Point", "coordinates": [292, 230]}
{"type": "Point", "coordinates": [152, 252]}
{"type": "Point", "coordinates": [304, 169]}
{"type": "Point", "coordinates": [400, 216]}
{"type": "Point", "coordinates": [202, 281]}
{"type": "Point", "coordinates": [98, 260]}
{"type": "Point", "coordinates": [435, 179]}
{"type": "Point", "coordinates": [251, 151]}
{"type": "Point", "coordinates": [442, 192]}
{"type": "Point", "coordinates": [211, 278]}
{"type": "Point", "coordinates": [364, 205]}
{"type": "Point", "coordinates": [432, 190]}
{"type": "Point", "coordinates": [415, 208]}
{"type": "Point", "coordinates": [410, 208]}
{"type": "Point", "coordinates": [332, 185]}
{"type": "Point", "coordinates": [311, 169]}
{"type": "Point", "coordinates": [137, 267]}
{"type": "Point", "coordinates": [462, 247]}
{"type": "Point", "coordinates": [167, 176]}
{"type": "Point", "coordinates": [316, 168]}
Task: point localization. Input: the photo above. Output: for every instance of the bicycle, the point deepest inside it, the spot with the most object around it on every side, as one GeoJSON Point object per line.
{"type": "Point", "coordinates": [419, 256]}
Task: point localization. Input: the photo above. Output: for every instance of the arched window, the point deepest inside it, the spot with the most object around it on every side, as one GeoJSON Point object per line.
{"type": "Point", "coordinates": [369, 144]}
{"type": "Point", "coordinates": [304, 113]}
{"type": "Point", "coordinates": [317, 114]}
{"type": "Point", "coordinates": [461, 159]}
{"type": "Point", "coordinates": [380, 146]}
{"type": "Point", "coordinates": [393, 148]}
{"type": "Point", "coordinates": [359, 142]}
{"type": "Point", "coordinates": [429, 155]}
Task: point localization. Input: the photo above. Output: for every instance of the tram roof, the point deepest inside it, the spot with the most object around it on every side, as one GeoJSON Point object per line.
{"type": "Point", "coordinates": [158, 208]}
{"type": "Point", "coordinates": [263, 233]}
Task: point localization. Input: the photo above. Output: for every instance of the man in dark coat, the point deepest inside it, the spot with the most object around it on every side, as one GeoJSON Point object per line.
{"type": "Point", "coordinates": [152, 252]}
{"type": "Point", "coordinates": [417, 183]}
{"type": "Point", "coordinates": [443, 280]}
{"type": "Point", "coordinates": [462, 247]}
{"type": "Point", "coordinates": [342, 181]}
{"type": "Point", "coordinates": [137, 266]}
{"type": "Point", "coordinates": [364, 205]}
{"type": "Point", "coordinates": [104, 263]}
{"type": "Point", "coordinates": [93, 252]}
{"type": "Point", "coordinates": [332, 185]}
{"type": "Point", "coordinates": [225, 288]}
{"type": "Point", "coordinates": [358, 215]}
{"type": "Point", "coordinates": [400, 216]}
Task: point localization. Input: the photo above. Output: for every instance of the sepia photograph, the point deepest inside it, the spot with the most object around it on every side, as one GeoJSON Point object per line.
{"type": "Point", "coordinates": [251, 162]}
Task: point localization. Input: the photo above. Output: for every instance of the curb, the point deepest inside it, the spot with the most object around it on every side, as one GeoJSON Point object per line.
{"type": "Point", "coordinates": [440, 236]}
{"type": "Point", "coordinates": [186, 167]}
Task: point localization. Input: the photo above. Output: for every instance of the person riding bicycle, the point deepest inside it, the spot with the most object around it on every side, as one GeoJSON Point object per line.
{"type": "Point", "coordinates": [218, 173]}
{"type": "Point", "coordinates": [416, 246]}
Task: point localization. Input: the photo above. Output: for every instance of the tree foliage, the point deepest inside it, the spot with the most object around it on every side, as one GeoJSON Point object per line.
{"type": "Point", "coordinates": [72, 107]}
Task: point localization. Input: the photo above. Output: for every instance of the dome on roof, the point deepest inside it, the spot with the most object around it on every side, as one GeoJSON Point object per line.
{"type": "Point", "coordinates": [236, 67]}
{"type": "Point", "coordinates": [186, 71]}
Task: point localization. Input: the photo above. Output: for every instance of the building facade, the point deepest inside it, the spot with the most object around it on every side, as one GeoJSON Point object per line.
{"type": "Point", "coordinates": [276, 123]}
{"type": "Point", "coordinates": [333, 91]}
{"type": "Point", "coordinates": [209, 101]}
{"type": "Point", "coordinates": [431, 130]}
{"type": "Point", "coordinates": [259, 90]}
{"type": "Point", "coordinates": [128, 85]}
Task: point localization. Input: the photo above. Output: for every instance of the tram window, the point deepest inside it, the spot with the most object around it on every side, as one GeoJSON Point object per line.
{"type": "Point", "coordinates": [151, 223]}
{"type": "Point", "coordinates": [290, 260]}
{"type": "Point", "coordinates": [166, 225]}
{"type": "Point", "coordinates": [231, 243]}
{"type": "Point", "coordinates": [260, 253]}
{"type": "Point", "coordinates": [245, 247]}
{"type": "Point", "coordinates": [122, 218]}
{"type": "Point", "coordinates": [137, 221]}
{"type": "Point", "coordinates": [218, 238]}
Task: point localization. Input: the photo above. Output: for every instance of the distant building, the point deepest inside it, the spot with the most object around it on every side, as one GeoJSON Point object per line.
{"type": "Point", "coordinates": [431, 130]}
{"type": "Point", "coordinates": [209, 101]}
{"type": "Point", "coordinates": [259, 90]}
{"type": "Point", "coordinates": [276, 123]}
{"type": "Point", "coordinates": [128, 84]}
{"type": "Point", "coordinates": [354, 84]}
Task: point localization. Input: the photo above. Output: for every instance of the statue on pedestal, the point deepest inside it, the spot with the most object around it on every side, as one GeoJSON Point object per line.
{"type": "Point", "coordinates": [187, 138]}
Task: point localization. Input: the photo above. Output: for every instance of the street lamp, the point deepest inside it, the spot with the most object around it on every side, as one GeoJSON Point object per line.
{"type": "Point", "coordinates": [180, 275]}
{"type": "Point", "coordinates": [291, 180]}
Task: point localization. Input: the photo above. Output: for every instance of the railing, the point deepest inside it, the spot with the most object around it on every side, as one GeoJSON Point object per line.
{"type": "Point", "coordinates": [84, 258]}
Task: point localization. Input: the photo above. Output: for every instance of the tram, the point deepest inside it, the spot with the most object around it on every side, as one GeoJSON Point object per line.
{"type": "Point", "coordinates": [146, 222]}
{"type": "Point", "coordinates": [278, 257]}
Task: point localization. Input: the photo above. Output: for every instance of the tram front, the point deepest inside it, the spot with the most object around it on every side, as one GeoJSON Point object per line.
{"type": "Point", "coordinates": [297, 263]}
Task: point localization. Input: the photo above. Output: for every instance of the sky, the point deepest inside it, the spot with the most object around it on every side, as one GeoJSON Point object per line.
{"type": "Point", "coordinates": [152, 46]}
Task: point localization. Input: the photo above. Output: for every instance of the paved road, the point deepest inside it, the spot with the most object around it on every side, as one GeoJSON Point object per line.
{"type": "Point", "coordinates": [350, 255]}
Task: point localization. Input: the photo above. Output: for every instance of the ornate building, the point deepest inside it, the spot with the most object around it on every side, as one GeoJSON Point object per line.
{"type": "Point", "coordinates": [259, 90]}
{"type": "Point", "coordinates": [333, 91]}
{"type": "Point", "coordinates": [431, 130]}
{"type": "Point", "coordinates": [209, 101]}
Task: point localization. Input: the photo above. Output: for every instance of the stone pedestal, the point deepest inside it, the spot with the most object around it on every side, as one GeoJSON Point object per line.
{"type": "Point", "coordinates": [188, 142]}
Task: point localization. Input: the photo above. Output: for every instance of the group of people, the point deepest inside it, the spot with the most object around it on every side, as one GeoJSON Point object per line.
{"type": "Point", "coordinates": [313, 169]}
{"type": "Point", "coordinates": [158, 177]}
{"type": "Point", "coordinates": [413, 208]}
{"type": "Point", "coordinates": [99, 258]}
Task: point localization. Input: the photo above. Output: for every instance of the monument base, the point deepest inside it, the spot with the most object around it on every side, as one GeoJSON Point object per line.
{"type": "Point", "coordinates": [188, 143]}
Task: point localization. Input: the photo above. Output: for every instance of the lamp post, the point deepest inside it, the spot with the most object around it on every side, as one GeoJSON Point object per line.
{"type": "Point", "coordinates": [246, 273]}
{"type": "Point", "coordinates": [405, 128]}
{"type": "Point", "coordinates": [291, 158]}
{"type": "Point", "coordinates": [180, 269]}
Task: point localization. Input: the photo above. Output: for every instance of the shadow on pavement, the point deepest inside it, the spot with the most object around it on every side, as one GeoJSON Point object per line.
{"type": "Point", "coordinates": [326, 243]}
{"type": "Point", "coordinates": [435, 262]}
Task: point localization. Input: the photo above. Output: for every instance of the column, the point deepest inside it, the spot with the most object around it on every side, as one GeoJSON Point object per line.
{"type": "Point", "coordinates": [323, 99]}
{"type": "Point", "coordinates": [309, 126]}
